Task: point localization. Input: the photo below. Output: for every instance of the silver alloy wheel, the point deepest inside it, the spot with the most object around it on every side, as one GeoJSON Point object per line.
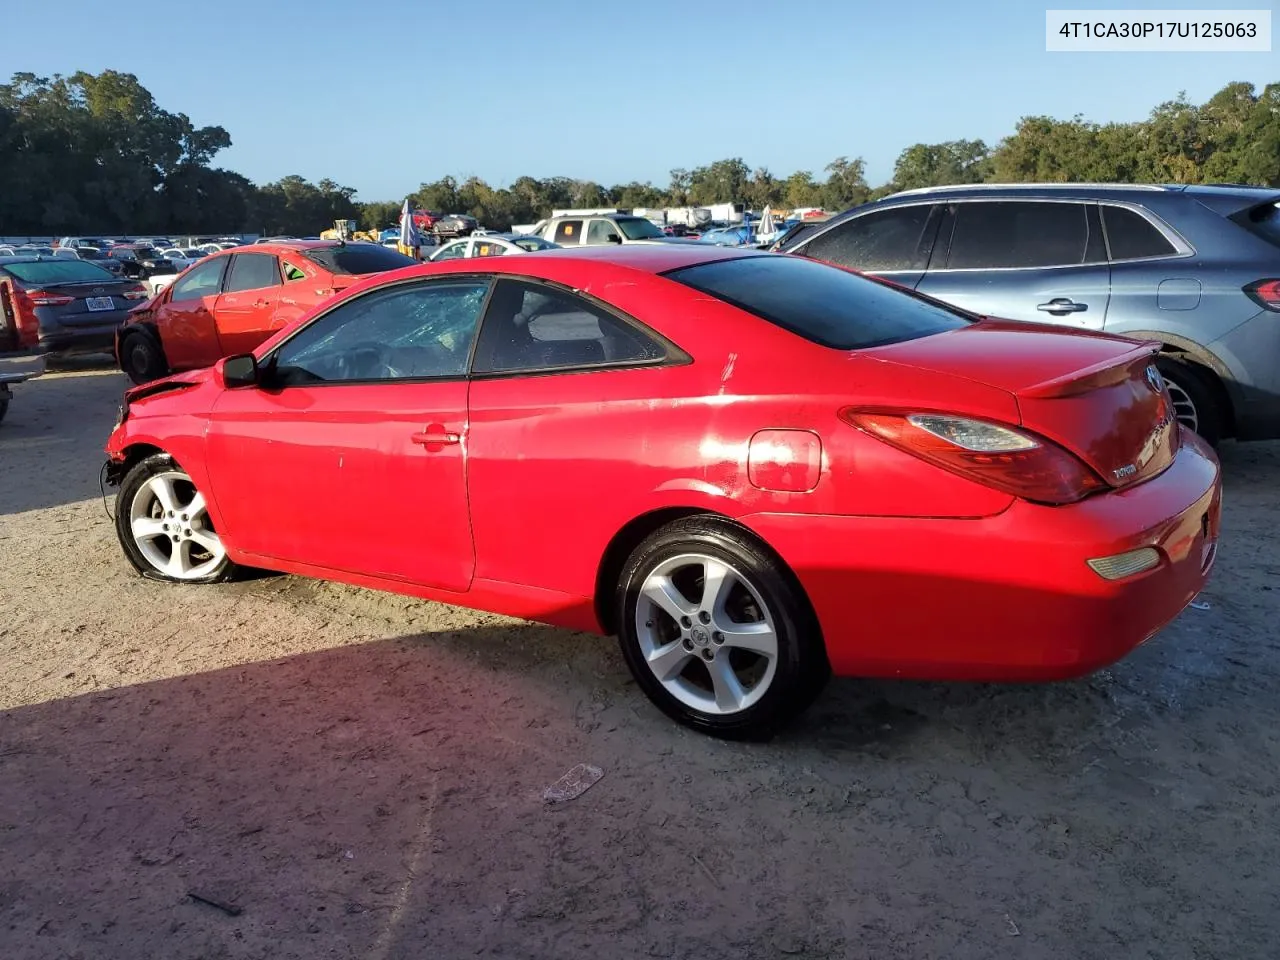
{"type": "Point", "coordinates": [1184, 408]}
{"type": "Point", "coordinates": [718, 653]}
{"type": "Point", "coordinates": [170, 525]}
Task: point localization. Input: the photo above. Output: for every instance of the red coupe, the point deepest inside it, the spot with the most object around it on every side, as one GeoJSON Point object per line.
{"type": "Point", "coordinates": [754, 469]}
{"type": "Point", "coordinates": [230, 302]}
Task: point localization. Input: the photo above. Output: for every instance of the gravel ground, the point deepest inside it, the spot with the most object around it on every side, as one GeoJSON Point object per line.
{"type": "Point", "coordinates": [362, 774]}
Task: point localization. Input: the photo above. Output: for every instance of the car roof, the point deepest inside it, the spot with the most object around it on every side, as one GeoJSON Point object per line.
{"type": "Point", "coordinates": [288, 246]}
{"type": "Point", "coordinates": [651, 257]}
{"type": "Point", "coordinates": [7, 260]}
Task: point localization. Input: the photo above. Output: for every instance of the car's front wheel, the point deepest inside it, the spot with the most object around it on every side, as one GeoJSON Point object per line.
{"type": "Point", "coordinates": [142, 358]}
{"type": "Point", "coordinates": [716, 632]}
{"type": "Point", "coordinates": [163, 524]}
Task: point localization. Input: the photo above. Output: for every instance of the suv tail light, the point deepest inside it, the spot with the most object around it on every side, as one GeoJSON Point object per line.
{"type": "Point", "coordinates": [1265, 293]}
{"type": "Point", "coordinates": [1014, 461]}
{"type": "Point", "coordinates": [40, 298]}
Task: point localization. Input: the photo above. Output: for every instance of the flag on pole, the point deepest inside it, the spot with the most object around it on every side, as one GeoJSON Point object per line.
{"type": "Point", "coordinates": [409, 239]}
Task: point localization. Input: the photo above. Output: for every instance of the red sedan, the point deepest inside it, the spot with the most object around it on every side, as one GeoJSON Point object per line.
{"type": "Point", "coordinates": [754, 469]}
{"type": "Point", "coordinates": [231, 302]}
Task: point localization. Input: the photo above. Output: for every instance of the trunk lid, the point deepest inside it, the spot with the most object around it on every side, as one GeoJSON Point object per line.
{"type": "Point", "coordinates": [1096, 395]}
{"type": "Point", "coordinates": [83, 303]}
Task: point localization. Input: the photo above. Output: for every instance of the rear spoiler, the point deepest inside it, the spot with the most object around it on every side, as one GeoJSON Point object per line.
{"type": "Point", "coordinates": [1235, 203]}
{"type": "Point", "coordinates": [1102, 374]}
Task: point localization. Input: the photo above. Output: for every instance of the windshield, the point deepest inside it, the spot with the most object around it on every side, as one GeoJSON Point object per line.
{"type": "Point", "coordinates": [145, 253]}
{"type": "Point", "coordinates": [90, 253]}
{"type": "Point", "coordinates": [358, 258]}
{"type": "Point", "coordinates": [58, 271]}
{"type": "Point", "coordinates": [822, 303]}
{"type": "Point", "coordinates": [638, 228]}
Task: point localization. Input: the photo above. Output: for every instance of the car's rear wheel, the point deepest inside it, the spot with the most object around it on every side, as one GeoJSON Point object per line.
{"type": "Point", "coordinates": [142, 358]}
{"type": "Point", "coordinates": [716, 632]}
{"type": "Point", "coordinates": [1195, 401]}
{"type": "Point", "coordinates": [163, 524]}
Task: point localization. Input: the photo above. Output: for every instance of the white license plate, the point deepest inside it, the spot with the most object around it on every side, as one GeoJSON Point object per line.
{"type": "Point", "coordinates": [100, 303]}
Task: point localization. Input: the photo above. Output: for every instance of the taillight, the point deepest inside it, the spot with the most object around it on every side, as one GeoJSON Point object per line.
{"type": "Point", "coordinates": [136, 293]}
{"type": "Point", "coordinates": [998, 456]}
{"type": "Point", "coordinates": [41, 298]}
{"type": "Point", "coordinates": [1265, 293]}
{"type": "Point", "coordinates": [24, 318]}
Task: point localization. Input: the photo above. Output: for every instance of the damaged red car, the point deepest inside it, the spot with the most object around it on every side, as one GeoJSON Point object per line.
{"type": "Point", "coordinates": [232, 301]}
{"type": "Point", "coordinates": [754, 469]}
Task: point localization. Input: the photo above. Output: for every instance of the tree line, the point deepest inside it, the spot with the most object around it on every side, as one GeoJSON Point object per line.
{"type": "Point", "coordinates": [96, 154]}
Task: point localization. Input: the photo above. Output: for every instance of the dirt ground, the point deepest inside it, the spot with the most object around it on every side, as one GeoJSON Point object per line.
{"type": "Point", "coordinates": [362, 774]}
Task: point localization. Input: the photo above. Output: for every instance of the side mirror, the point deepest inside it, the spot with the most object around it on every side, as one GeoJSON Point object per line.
{"type": "Point", "coordinates": [614, 238]}
{"type": "Point", "coordinates": [240, 371]}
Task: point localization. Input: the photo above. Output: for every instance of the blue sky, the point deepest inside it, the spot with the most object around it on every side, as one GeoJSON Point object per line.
{"type": "Point", "coordinates": [386, 94]}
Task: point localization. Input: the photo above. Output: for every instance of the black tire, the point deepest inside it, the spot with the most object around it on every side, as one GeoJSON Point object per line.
{"type": "Point", "coordinates": [4, 406]}
{"type": "Point", "coordinates": [142, 358]}
{"type": "Point", "coordinates": [801, 668]}
{"type": "Point", "coordinates": [1197, 402]}
{"type": "Point", "coordinates": [135, 486]}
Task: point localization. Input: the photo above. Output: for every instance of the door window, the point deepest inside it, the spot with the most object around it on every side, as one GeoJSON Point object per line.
{"type": "Point", "coordinates": [534, 327]}
{"type": "Point", "coordinates": [454, 251]}
{"type": "Point", "coordinates": [201, 281]}
{"type": "Point", "coordinates": [892, 239]}
{"type": "Point", "coordinates": [1001, 234]}
{"type": "Point", "coordinates": [601, 230]}
{"type": "Point", "coordinates": [252, 271]}
{"type": "Point", "coordinates": [1132, 236]}
{"type": "Point", "coordinates": [414, 332]}
{"type": "Point", "coordinates": [568, 232]}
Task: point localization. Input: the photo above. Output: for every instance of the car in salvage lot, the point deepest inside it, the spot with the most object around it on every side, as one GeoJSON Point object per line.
{"type": "Point", "coordinates": [807, 471]}
{"type": "Point", "coordinates": [1194, 268]}
{"type": "Point", "coordinates": [231, 301]}
{"type": "Point", "coordinates": [491, 245]}
{"type": "Point", "coordinates": [65, 305]}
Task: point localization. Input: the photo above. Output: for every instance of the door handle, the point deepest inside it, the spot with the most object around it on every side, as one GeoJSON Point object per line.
{"type": "Point", "coordinates": [435, 437]}
{"type": "Point", "coordinates": [1062, 305]}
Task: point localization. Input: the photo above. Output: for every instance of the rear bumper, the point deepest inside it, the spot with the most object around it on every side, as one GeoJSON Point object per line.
{"type": "Point", "coordinates": [1009, 597]}
{"type": "Point", "coordinates": [85, 339]}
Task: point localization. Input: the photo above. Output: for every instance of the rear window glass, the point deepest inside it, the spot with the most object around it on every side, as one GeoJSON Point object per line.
{"type": "Point", "coordinates": [821, 303]}
{"type": "Point", "coordinates": [58, 271]}
{"type": "Point", "coordinates": [358, 258]}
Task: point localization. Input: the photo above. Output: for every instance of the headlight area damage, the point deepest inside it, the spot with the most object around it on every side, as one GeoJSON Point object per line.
{"type": "Point", "coordinates": [117, 464]}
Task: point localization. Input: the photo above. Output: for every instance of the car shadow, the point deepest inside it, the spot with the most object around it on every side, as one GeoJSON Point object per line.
{"type": "Point", "coordinates": [386, 799]}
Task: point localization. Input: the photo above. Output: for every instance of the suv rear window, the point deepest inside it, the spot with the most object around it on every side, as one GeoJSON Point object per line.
{"type": "Point", "coordinates": [58, 271]}
{"type": "Point", "coordinates": [1263, 221]}
{"type": "Point", "coordinates": [358, 258]}
{"type": "Point", "coordinates": [822, 303]}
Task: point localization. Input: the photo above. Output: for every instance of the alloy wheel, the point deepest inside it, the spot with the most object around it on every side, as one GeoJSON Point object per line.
{"type": "Point", "coordinates": [170, 525]}
{"type": "Point", "coordinates": [706, 634]}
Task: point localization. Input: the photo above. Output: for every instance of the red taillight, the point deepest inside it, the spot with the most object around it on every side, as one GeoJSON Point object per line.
{"type": "Point", "coordinates": [136, 293]}
{"type": "Point", "coordinates": [41, 298]}
{"type": "Point", "coordinates": [996, 455]}
{"type": "Point", "coordinates": [1265, 293]}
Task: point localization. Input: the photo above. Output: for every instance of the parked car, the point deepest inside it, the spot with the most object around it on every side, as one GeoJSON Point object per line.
{"type": "Point", "coordinates": [573, 231]}
{"type": "Point", "coordinates": [454, 225]}
{"type": "Point", "coordinates": [491, 245]}
{"type": "Point", "coordinates": [231, 301]}
{"type": "Point", "coordinates": [140, 261]}
{"type": "Point", "coordinates": [71, 305]}
{"type": "Point", "coordinates": [806, 470]}
{"type": "Point", "coordinates": [1196, 268]}
{"type": "Point", "coordinates": [73, 242]}
{"type": "Point", "coordinates": [114, 267]}
{"type": "Point", "coordinates": [181, 259]}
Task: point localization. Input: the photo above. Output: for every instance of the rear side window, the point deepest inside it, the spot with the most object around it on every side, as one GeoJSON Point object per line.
{"type": "Point", "coordinates": [252, 271]}
{"type": "Point", "coordinates": [58, 271]}
{"type": "Point", "coordinates": [892, 239]}
{"type": "Point", "coordinates": [822, 303]}
{"type": "Point", "coordinates": [568, 231]}
{"type": "Point", "coordinates": [1132, 236]}
{"type": "Point", "coordinates": [1001, 234]}
{"type": "Point", "coordinates": [358, 258]}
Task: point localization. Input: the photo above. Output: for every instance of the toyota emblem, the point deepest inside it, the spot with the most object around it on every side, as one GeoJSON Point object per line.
{"type": "Point", "coordinates": [1154, 380]}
